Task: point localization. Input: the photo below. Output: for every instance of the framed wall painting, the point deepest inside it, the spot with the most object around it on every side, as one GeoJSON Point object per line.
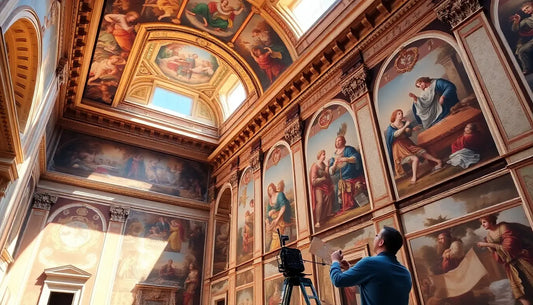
{"type": "Point", "coordinates": [278, 196]}
{"type": "Point", "coordinates": [124, 165]}
{"type": "Point", "coordinates": [336, 176]}
{"type": "Point", "coordinates": [431, 122]}
{"type": "Point", "coordinates": [511, 19]}
{"type": "Point", "coordinates": [245, 217]}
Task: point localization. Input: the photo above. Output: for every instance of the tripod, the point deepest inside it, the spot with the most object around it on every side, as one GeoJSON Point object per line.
{"type": "Point", "coordinates": [303, 282]}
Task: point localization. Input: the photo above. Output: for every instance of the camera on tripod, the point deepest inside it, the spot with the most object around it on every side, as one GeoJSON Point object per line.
{"type": "Point", "coordinates": [290, 261]}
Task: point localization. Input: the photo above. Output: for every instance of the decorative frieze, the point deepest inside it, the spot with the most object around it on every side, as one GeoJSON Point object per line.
{"type": "Point", "coordinates": [234, 179]}
{"type": "Point", "coordinates": [456, 11]}
{"type": "Point", "coordinates": [355, 84]}
{"type": "Point", "coordinates": [119, 214]}
{"type": "Point", "coordinates": [43, 201]}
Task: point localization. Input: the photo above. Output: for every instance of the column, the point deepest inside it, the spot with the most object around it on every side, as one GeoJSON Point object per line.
{"type": "Point", "coordinates": [107, 268]}
{"type": "Point", "coordinates": [355, 88]}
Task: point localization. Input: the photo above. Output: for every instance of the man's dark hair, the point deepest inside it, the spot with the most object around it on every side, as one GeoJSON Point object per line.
{"type": "Point", "coordinates": [392, 239]}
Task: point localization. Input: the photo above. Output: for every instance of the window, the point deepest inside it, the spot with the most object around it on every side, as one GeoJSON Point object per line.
{"type": "Point", "coordinates": [304, 13]}
{"type": "Point", "coordinates": [236, 96]}
{"type": "Point", "coordinates": [60, 298]}
{"type": "Point", "coordinates": [172, 101]}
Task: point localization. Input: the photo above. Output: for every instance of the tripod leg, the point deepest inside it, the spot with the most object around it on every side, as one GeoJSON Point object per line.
{"type": "Point", "coordinates": [286, 292]}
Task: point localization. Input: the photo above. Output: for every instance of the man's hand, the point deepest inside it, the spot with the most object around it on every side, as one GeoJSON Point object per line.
{"type": "Point", "coordinates": [336, 256]}
{"type": "Point", "coordinates": [344, 265]}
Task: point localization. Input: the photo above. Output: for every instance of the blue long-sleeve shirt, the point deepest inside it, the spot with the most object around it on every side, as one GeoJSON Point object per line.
{"type": "Point", "coordinates": [382, 279]}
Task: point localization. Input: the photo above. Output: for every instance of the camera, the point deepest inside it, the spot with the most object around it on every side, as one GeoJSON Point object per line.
{"type": "Point", "coordinates": [290, 261]}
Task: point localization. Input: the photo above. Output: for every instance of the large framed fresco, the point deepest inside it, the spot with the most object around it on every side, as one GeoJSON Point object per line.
{"type": "Point", "coordinates": [513, 22]}
{"type": "Point", "coordinates": [161, 250]}
{"type": "Point", "coordinates": [432, 125]}
{"type": "Point", "coordinates": [337, 183]}
{"type": "Point", "coordinates": [115, 163]}
{"type": "Point", "coordinates": [472, 247]}
{"type": "Point", "coordinates": [245, 217]}
{"type": "Point", "coordinates": [278, 198]}
{"type": "Point", "coordinates": [263, 49]}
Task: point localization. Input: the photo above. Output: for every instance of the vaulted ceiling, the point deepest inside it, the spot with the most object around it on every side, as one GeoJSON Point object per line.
{"type": "Point", "coordinates": [125, 50]}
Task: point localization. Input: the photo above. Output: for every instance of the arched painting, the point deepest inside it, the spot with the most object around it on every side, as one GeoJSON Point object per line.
{"type": "Point", "coordinates": [185, 63]}
{"type": "Point", "coordinates": [278, 197]}
{"type": "Point", "coordinates": [263, 49]}
{"type": "Point", "coordinates": [431, 122]}
{"type": "Point", "coordinates": [514, 22]}
{"type": "Point", "coordinates": [337, 184]}
{"type": "Point", "coordinates": [245, 217]}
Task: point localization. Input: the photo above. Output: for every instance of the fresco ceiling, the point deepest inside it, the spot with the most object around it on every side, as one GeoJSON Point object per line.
{"type": "Point", "coordinates": [196, 48]}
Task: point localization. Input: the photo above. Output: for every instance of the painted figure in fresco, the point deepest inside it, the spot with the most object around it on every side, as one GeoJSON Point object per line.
{"type": "Point", "coordinates": [163, 226]}
{"type": "Point", "coordinates": [191, 284]}
{"type": "Point", "coordinates": [524, 28]}
{"type": "Point", "coordinates": [466, 149]}
{"type": "Point", "coordinates": [451, 252]}
{"type": "Point", "coordinates": [322, 191]}
{"type": "Point", "coordinates": [175, 239]}
{"type": "Point", "coordinates": [106, 69]}
{"type": "Point", "coordinates": [348, 165]}
{"type": "Point", "coordinates": [123, 28]}
{"type": "Point", "coordinates": [278, 210]}
{"type": "Point", "coordinates": [135, 167]}
{"type": "Point", "coordinates": [248, 230]}
{"type": "Point", "coordinates": [222, 240]}
{"type": "Point", "coordinates": [511, 244]}
{"type": "Point", "coordinates": [401, 148]}
{"type": "Point", "coordinates": [216, 14]}
{"type": "Point", "coordinates": [168, 271]}
{"type": "Point", "coordinates": [275, 297]}
{"type": "Point", "coordinates": [169, 8]}
{"type": "Point", "coordinates": [434, 104]}
{"type": "Point", "coordinates": [268, 62]}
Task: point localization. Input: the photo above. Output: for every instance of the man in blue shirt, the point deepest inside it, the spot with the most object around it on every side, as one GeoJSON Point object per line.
{"type": "Point", "coordinates": [382, 279]}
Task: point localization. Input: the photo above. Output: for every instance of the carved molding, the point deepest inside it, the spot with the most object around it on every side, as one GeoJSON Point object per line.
{"type": "Point", "coordinates": [355, 84]}
{"type": "Point", "coordinates": [4, 183]}
{"type": "Point", "coordinates": [6, 257]}
{"type": "Point", "coordinates": [293, 130]}
{"type": "Point", "coordinates": [456, 11]}
{"type": "Point", "coordinates": [234, 179]}
{"type": "Point", "coordinates": [62, 70]}
{"type": "Point", "coordinates": [256, 160]}
{"type": "Point", "coordinates": [119, 214]}
{"type": "Point", "coordinates": [43, 201]}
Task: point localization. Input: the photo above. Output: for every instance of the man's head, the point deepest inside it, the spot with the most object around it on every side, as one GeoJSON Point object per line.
{"type": "Point", "coordinates": [340, 142]}
{"type": "Point", "coordinates": [444, 241]}
{"type": "Point", "coordinates": [388, 240]}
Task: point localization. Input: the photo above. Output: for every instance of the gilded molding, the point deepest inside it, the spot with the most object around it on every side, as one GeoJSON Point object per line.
{"type": "Point", "coordinates": [355, 84]}
{"type": "Point", "coordinates": [6, 257]}
{"type": "Point", "coordinates": [119, 214]}
{"type": "Point", "coordinates": [455, 12]}
{"type": "Point", "coordinates": [43, 201]}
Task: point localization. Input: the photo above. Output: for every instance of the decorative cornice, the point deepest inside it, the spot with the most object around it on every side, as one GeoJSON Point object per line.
{"type": "Point", "coordinates": [43, 201]}
{"type": "Point", "coordinates": [355, 84]}
{"type": "Point", "coordinates": [455, 12]}
{"type": "Point", "coordinates": [119, 214]}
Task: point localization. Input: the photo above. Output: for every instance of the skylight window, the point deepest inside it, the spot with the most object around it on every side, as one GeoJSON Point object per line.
{"type": "Point", "coordinates": [172, 101]}
{"type": "Point", "coordinates": [305, 13]}
{"type": "Point", "coordinates": [236, 96]}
